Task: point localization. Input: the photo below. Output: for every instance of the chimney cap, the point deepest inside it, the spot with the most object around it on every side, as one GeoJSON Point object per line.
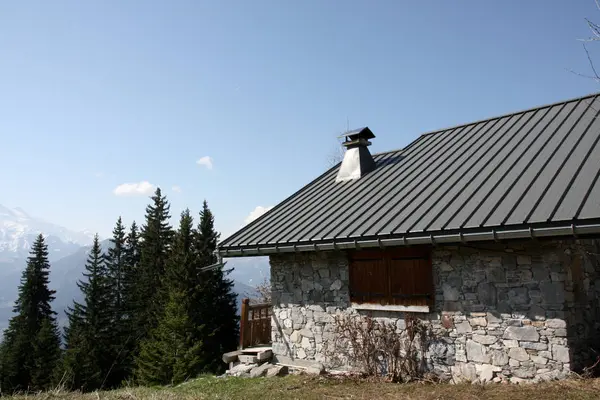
{"type": "Point", "coordinates": [357, 159]}
{"type": "Point", "coordinates": [356, 134]}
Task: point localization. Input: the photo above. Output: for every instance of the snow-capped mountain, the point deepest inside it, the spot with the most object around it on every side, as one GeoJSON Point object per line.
{"type": "Point", "coordinates": [18, 230]}
{"type": "Point", "coordinates": [68, 251]}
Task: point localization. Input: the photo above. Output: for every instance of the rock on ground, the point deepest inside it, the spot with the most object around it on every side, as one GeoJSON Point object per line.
{"type": "Point", "coordinates": [261, 370]}
{"type": "Point", "coordinates": [277, 370]}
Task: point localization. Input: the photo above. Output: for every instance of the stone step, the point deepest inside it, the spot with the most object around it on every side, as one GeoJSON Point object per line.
{"type": "Point", "coordinates": [255, 350]}
{"type": "Point", "coordinates": [264, 355]}
{"type": "Point", "coordinates": [247, 359]}
{"type": "Point", "coordinates": [231, 356]}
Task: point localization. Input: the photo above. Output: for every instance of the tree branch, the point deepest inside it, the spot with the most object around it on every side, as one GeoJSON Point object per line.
{"type": "Point", "coordinates": [582, 75]}
{"type": "Point", "coordinates": [587, 53]}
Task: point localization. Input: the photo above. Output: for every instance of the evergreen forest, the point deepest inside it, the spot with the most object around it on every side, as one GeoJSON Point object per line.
{"type": "Point", "coordinates": [151, 312]}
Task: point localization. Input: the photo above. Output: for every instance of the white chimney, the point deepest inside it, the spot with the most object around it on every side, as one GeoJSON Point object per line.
{"type": "Point", "coordinates": [357, 160]}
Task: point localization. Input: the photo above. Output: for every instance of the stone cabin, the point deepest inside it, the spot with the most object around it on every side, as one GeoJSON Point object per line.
{"type": "Point", "coordinates": [486, 231]}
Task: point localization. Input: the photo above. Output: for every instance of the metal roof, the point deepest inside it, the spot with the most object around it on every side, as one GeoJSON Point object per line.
{"type": "Point", "coordinates": [534, 170]}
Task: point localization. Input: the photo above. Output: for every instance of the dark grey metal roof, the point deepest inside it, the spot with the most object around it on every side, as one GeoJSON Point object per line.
{"type": "Point", "coordinates": [534, 169]}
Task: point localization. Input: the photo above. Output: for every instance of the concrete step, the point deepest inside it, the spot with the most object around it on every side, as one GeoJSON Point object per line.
{"type": "Point", "coordinates": [255, 350]}
{"type": "Point", "coordinates": [247, 359]}
{"type": "Point", "coordinates": [231, 356]}
{"type": "Point", "coordinates": [262, 356]}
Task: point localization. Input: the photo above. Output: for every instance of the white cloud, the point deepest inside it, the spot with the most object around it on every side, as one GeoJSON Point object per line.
{"type": "Point", "coordinates": [205, 161]}
{"type": "Point", "coordinates": [257, 212]}
{"type": "Point", "coordinates": [176, 188]}
{"type": "Point", "coordinates": [134, 189]}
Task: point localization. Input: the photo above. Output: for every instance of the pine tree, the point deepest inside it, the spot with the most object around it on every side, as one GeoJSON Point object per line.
{"type": "Point", "coordinates": [30, 349]}
{"type": "Point", "coordinates": [15, 374]}
{"type": "Point", "coordinates": [132, 260]}
{"type": "Point", "coordinates": [180, 272]}
{"type": "Point", "coordinates": [172, 352]}
{"type": "Point", "coordinates": [88, 358]}
{"type": "Point", "coordinates": [156, 239]}
{"type": "Point", "coordinates": [120, 340]}
{"type": "Point", "coordinates": [216, 312]}
{"type": "Point", "coordinates": [130, 333]}
{"type": "Point", "coordinates": [116, 264]}
{"type": "Point", "coordinates": [79, 367]}
{"type": "Point", "coordinates": [46, 355]}
{"type": "Point", "coordinates": [170, 355]}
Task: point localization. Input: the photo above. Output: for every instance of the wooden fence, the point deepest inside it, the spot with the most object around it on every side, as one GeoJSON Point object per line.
{"type": "Point", "coordinates": [255, 324]}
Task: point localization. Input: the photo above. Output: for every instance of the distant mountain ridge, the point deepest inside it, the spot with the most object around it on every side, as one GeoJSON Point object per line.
{"type": "Point", "coordinates": [68, 254]}
{"type": "Point", "coordinates": [18, 230]}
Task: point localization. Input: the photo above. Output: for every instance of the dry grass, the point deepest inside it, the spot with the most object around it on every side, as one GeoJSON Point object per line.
{"type": "Point", "coordinates": [303, 387]}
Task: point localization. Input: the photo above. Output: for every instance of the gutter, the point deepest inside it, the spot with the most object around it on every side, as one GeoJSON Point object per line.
{"type": "Point", "coordinates": [572, 230]}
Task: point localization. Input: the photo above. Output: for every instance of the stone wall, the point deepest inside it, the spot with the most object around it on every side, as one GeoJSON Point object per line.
{"type": "Point", "coordinates": [511, 311]}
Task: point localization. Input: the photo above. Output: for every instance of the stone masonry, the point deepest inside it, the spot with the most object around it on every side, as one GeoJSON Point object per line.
{"type": "Point", "coordinates": [503, 312]}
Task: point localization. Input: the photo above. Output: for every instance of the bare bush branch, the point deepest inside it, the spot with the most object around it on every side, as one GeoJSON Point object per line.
{"type": "Point", "coordinates": [263, 290]}
{"type": "Point", "coordinates": [378, 349]}
{"type": "Point", "coordinates": [581, 75]}
{"type": "Point", "coordinates": [595, 29]}
{"type": "Point", "coordinates": [335, 156]}
{"type": "Point", "coordinates": [591, 62]}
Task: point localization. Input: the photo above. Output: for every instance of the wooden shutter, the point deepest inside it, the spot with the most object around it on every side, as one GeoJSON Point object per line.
{"type": "Point", "coordinates": [411, 282]}
{"type": "Point", "coordinates": [399, 277]}
{"type": "Point", "coordinates": [368, 277]}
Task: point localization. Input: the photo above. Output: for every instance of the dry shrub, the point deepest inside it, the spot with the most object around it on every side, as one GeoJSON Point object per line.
{"type": "Point", "coordinates": [377, 348]}
{"type": "Point", "coordinates": [592, 370]}
{"type": "Point", "coordinates": [263, 293]}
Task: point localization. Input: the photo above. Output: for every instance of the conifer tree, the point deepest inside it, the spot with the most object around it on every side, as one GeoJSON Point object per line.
{"type": "Point", "coordinates": [15, 365]}
{"type": "Point", "coordinates": [130, 277]}
{"type": "Point", "coordinates": [172, 352]}
{"type": "Point", "coordinates": [132, 260]}
{"type": "Point", "coordinates": [131, 333]}
{"type": "Point", "coordinates": [216, 314]}
{"type": "Point", "coordinates": [170, 355]}
{"type": "Point", "coordinates": [46, 353]}
{"type": "Point", "coordinates": [156, 238]}
{"type": "Point", "coordinates": [180, 273]}
{"type": "Point", "coordinates": [120, 339]}
{"type": "Point", "coordinates": [31, 349]}
{"type": "Point", "coordinates": [88, 357]}
{"type": "Point", "coordinates": [79, 367]}
{"type": "Point", "coordinates": [116, 264]}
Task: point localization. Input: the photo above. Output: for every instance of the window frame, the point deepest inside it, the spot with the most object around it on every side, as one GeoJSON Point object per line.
{"type": "Point", "coordinates": [393, 258]}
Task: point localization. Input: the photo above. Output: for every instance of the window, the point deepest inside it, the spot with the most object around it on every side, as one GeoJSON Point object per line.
{"type": "Point", "coordinates": [395, 279]}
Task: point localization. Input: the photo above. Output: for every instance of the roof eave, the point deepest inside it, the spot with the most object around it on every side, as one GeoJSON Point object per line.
{"type": "Point", "coordinates": [575, 229]}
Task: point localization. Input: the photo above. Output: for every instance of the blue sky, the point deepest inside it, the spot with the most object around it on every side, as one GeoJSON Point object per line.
{"type": "Point", "coordinates": [96, 94]}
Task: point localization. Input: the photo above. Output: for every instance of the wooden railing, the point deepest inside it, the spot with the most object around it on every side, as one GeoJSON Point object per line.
{"type": "Point", "coordinates": [255, 324]}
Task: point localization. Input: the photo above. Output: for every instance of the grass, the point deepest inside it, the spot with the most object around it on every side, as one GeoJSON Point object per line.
{"type": "Point", "coordinates": [305, 387]}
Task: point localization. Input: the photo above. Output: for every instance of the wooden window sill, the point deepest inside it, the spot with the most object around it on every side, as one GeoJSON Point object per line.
{"type": "Point", "coordinates": [379, 307]}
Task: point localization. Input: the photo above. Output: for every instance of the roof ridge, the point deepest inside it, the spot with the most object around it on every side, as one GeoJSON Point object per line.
{"type": "Point", "coordinates": [510, 114]}
{"type": "Point", "coordinates": [595, 94]}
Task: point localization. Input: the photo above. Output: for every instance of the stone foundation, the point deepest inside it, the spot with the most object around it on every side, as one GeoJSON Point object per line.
{"type": "Point", "coordinates": [512, 311]}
